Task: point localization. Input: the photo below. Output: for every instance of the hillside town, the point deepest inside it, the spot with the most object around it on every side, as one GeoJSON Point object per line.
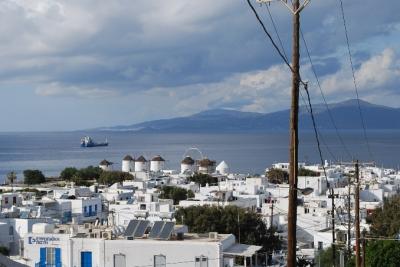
{"type": "Point", "coordinates": [131, 223]}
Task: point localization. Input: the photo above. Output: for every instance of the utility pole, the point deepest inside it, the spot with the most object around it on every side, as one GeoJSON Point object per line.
{"type": "Point", "coordinates": [349, 218]}
{"type": "Point", "coordinates": [332, 194]}
{"type": "Point", "coordinates": [294, 141]}
{"type": "Point", "coordinates": [272, 214]}
{"type": "Point", "coordinates": [295, 9]}
{"type": "Point", "coordinates": [357, 214]}
{"type": "Point", "coordinates": [364, 250]}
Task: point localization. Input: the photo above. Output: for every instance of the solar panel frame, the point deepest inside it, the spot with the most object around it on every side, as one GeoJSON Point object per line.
{"type": "Point", "coordinates": [166, 231]}
{"type": "Point", "coordinates": [130, 230]}
{"type": "Point", "coordinates": [141, 228]}
{"type": "Point", "coordinates": [156, 229]}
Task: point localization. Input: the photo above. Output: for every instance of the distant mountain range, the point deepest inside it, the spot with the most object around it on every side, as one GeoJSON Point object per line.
{"type": "Point", "coordinates": [346, 116]}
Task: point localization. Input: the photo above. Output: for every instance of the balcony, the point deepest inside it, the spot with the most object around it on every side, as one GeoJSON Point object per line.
{"type": "Point", "coordinates": [90, 214]}
{"type": "Point", "coordinates": [44, 264]}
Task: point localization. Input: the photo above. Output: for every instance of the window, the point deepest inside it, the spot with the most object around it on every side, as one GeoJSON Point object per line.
{"type": "Point", "coordinates": [11, 230]}
{"type": "Point", "coordinates": [160, 261]}
{"type": "Point", "coordinates": [95, 208]}
{"type": "Point", "coordinates": [6, 200]}
{"type": "Point", "coordinates": [50, 256]}
{"type": "Point", "coordinates": [14, 200]}
{"type": "Point", "coordinates": [320, 245]}
{"type": "Point", "coordinates": [201, 261]}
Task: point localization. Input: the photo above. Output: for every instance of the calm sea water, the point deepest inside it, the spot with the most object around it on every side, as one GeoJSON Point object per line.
{"type": "Point", "coordinates": [244, 153]}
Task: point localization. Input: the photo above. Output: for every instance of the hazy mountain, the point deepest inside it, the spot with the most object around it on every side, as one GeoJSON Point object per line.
{"type": "Point", "coordinates": [346, 115]}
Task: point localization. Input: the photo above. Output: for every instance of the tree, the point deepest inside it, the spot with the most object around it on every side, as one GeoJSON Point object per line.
{"type": "Point", "coordinates": [11, 177]}
{"type": "Point", "coordinates": [4, 251]}
{"type": "Point", "coordinates": [385, 221]}
{"type": "Point", "coordinates": [307, 172]}
{"type": "Point", "coordinates": [90, 173]}
{"type": "Point", "coordinates": [383, 253]}
{"type": "Point", "coordinates": [33, 177]}
{"type": "Point", "coordinates": [230, 220]}
{"type": "Point", "coordinates": [68, 173]}
{"type": "Point", "coordinates": [324, 258]}
{"type": "Point", "coordinates": [175, 193]}
{"type": "Point", "coordinates": [203, 179]}
{"type": "Point", "coordinates": [112, 177]}
{"type": "Point", "coordinates": [277, 176]}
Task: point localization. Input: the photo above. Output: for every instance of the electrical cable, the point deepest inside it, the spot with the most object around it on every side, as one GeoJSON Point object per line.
{"type": "Point", "coordinates": [354, 79]}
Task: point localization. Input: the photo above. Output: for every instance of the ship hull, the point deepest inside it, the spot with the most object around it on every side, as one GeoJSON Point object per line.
{"type": "Point", "coordinates": [94, 144]}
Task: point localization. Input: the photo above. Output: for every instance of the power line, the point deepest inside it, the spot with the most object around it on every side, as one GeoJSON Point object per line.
{"type": "Point", "coordinates": [271, 39]}
{"type": "Point", "coordinates": [277, 33]}
{"type": "Point", "coordinates": [286, 58]}
{"type": "Point", "coordinates": [322, 139]}
{"type": "Point", "coordinates": [354, 78]}
{"type": "Point", "coordinates": [323, 95]}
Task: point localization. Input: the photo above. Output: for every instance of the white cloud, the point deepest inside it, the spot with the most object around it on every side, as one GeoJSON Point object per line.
{"type": "Point", "coordinates": [56, 89]}
{"type": "Point", "coordinates": [378, 72]}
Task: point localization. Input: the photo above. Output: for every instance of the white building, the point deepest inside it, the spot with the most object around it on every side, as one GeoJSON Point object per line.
{"type": "Point", "coordinates": [222, 168]}
{"type": "Point", "coordinates": [183, 250]}
{"type": "Point", "coordinates": [105, 165]}
{"type": "Point", "coordinates": [140, 164]}
{"type": "Point", "coordinates": [157, 164]}
{"type": "Point", "coordinates": [128, 164]}
{"type": "Point", "coordinates": [187, 165]}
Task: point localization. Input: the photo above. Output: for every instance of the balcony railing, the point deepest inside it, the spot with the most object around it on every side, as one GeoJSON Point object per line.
{"type": "Point", "coordinates": [90, 214]}
{"type": "Point", "coordinates": [44, 264]}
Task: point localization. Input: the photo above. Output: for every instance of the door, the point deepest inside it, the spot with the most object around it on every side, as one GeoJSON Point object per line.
{"type": "Point", "coordinates": [119, 260]}
{"type": "Point", "coordinates": [86, 259]}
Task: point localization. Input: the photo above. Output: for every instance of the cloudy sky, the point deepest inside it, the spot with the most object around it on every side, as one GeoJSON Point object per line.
{"type": "Point", "coordinates": [76, 64]}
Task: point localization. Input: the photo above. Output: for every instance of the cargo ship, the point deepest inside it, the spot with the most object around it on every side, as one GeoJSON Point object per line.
{"type": "Point", "coordinates": [87, 141]}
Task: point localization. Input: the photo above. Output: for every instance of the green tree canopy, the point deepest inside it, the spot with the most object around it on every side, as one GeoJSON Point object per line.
{"type": "Point", "coordinates": [383, 253]}
{"type": "Point", "coordinates": [385, 223]}
{"type": "Point", "coordinates": [33, 177]}
{"type": "Point", "coordinates": [307, 172]}
{"type": "Point", "coordinates": [90, 173]}
{"type": "Point", "coordinates": [277, 176]}
{"type": "Point", "coordinates": [68, 173]}
{"type": "Point", "coordinates": [386, 220]}
{"type": "Point", "coordinates": [111, 177]}
{"type": "Point", "coordinates": [175, 193]}
{"type": "Point", "coordinates": [203, 179]}
{"type": "Point", "coordinates": [229, 220]}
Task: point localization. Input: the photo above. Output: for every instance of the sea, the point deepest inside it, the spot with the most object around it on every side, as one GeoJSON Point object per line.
{"type": "Point", "coordinates": [248, 153]}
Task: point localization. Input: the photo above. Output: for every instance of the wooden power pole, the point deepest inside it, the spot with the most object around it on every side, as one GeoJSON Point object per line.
{"type": "Point", "coordinates": [295, 9]}
{"type": "Point", "coordinates": [294, 141]}
{"type": "Point", "coordinates": [357, 214]}
{"type": "Point", "coordinates": [349, 219]}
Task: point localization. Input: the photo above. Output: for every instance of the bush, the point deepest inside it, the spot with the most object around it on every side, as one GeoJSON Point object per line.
{"type": "Point", "coordinates": [203, 179]}
{"type": "Point", "coordinates": [109, 178]}
{"type": "Point", "coordinates": [277, 176]}
{"type": "Point", "coordinates": [90, 173]}
{"type": "Point", "coordinates": [306, 172]}
{"type": "Point", "coordinates": [175, 193]}
{"type": "Point", "coordinates": [33, 177]}
{"type": "Point", "coordinates": [68, 173]}
{"type": "Point", "coordinates": [229, 220]}
{"type": "Point", "coordinates": [4, 251]}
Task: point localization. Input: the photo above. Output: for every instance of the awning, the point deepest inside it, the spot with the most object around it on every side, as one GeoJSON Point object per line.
{"type": "Point", "coordinates": [241, 250]}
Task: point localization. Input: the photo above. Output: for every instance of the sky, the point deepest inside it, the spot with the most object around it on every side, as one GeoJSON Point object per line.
{"type": "Point", "coordinates": [79, 64]}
